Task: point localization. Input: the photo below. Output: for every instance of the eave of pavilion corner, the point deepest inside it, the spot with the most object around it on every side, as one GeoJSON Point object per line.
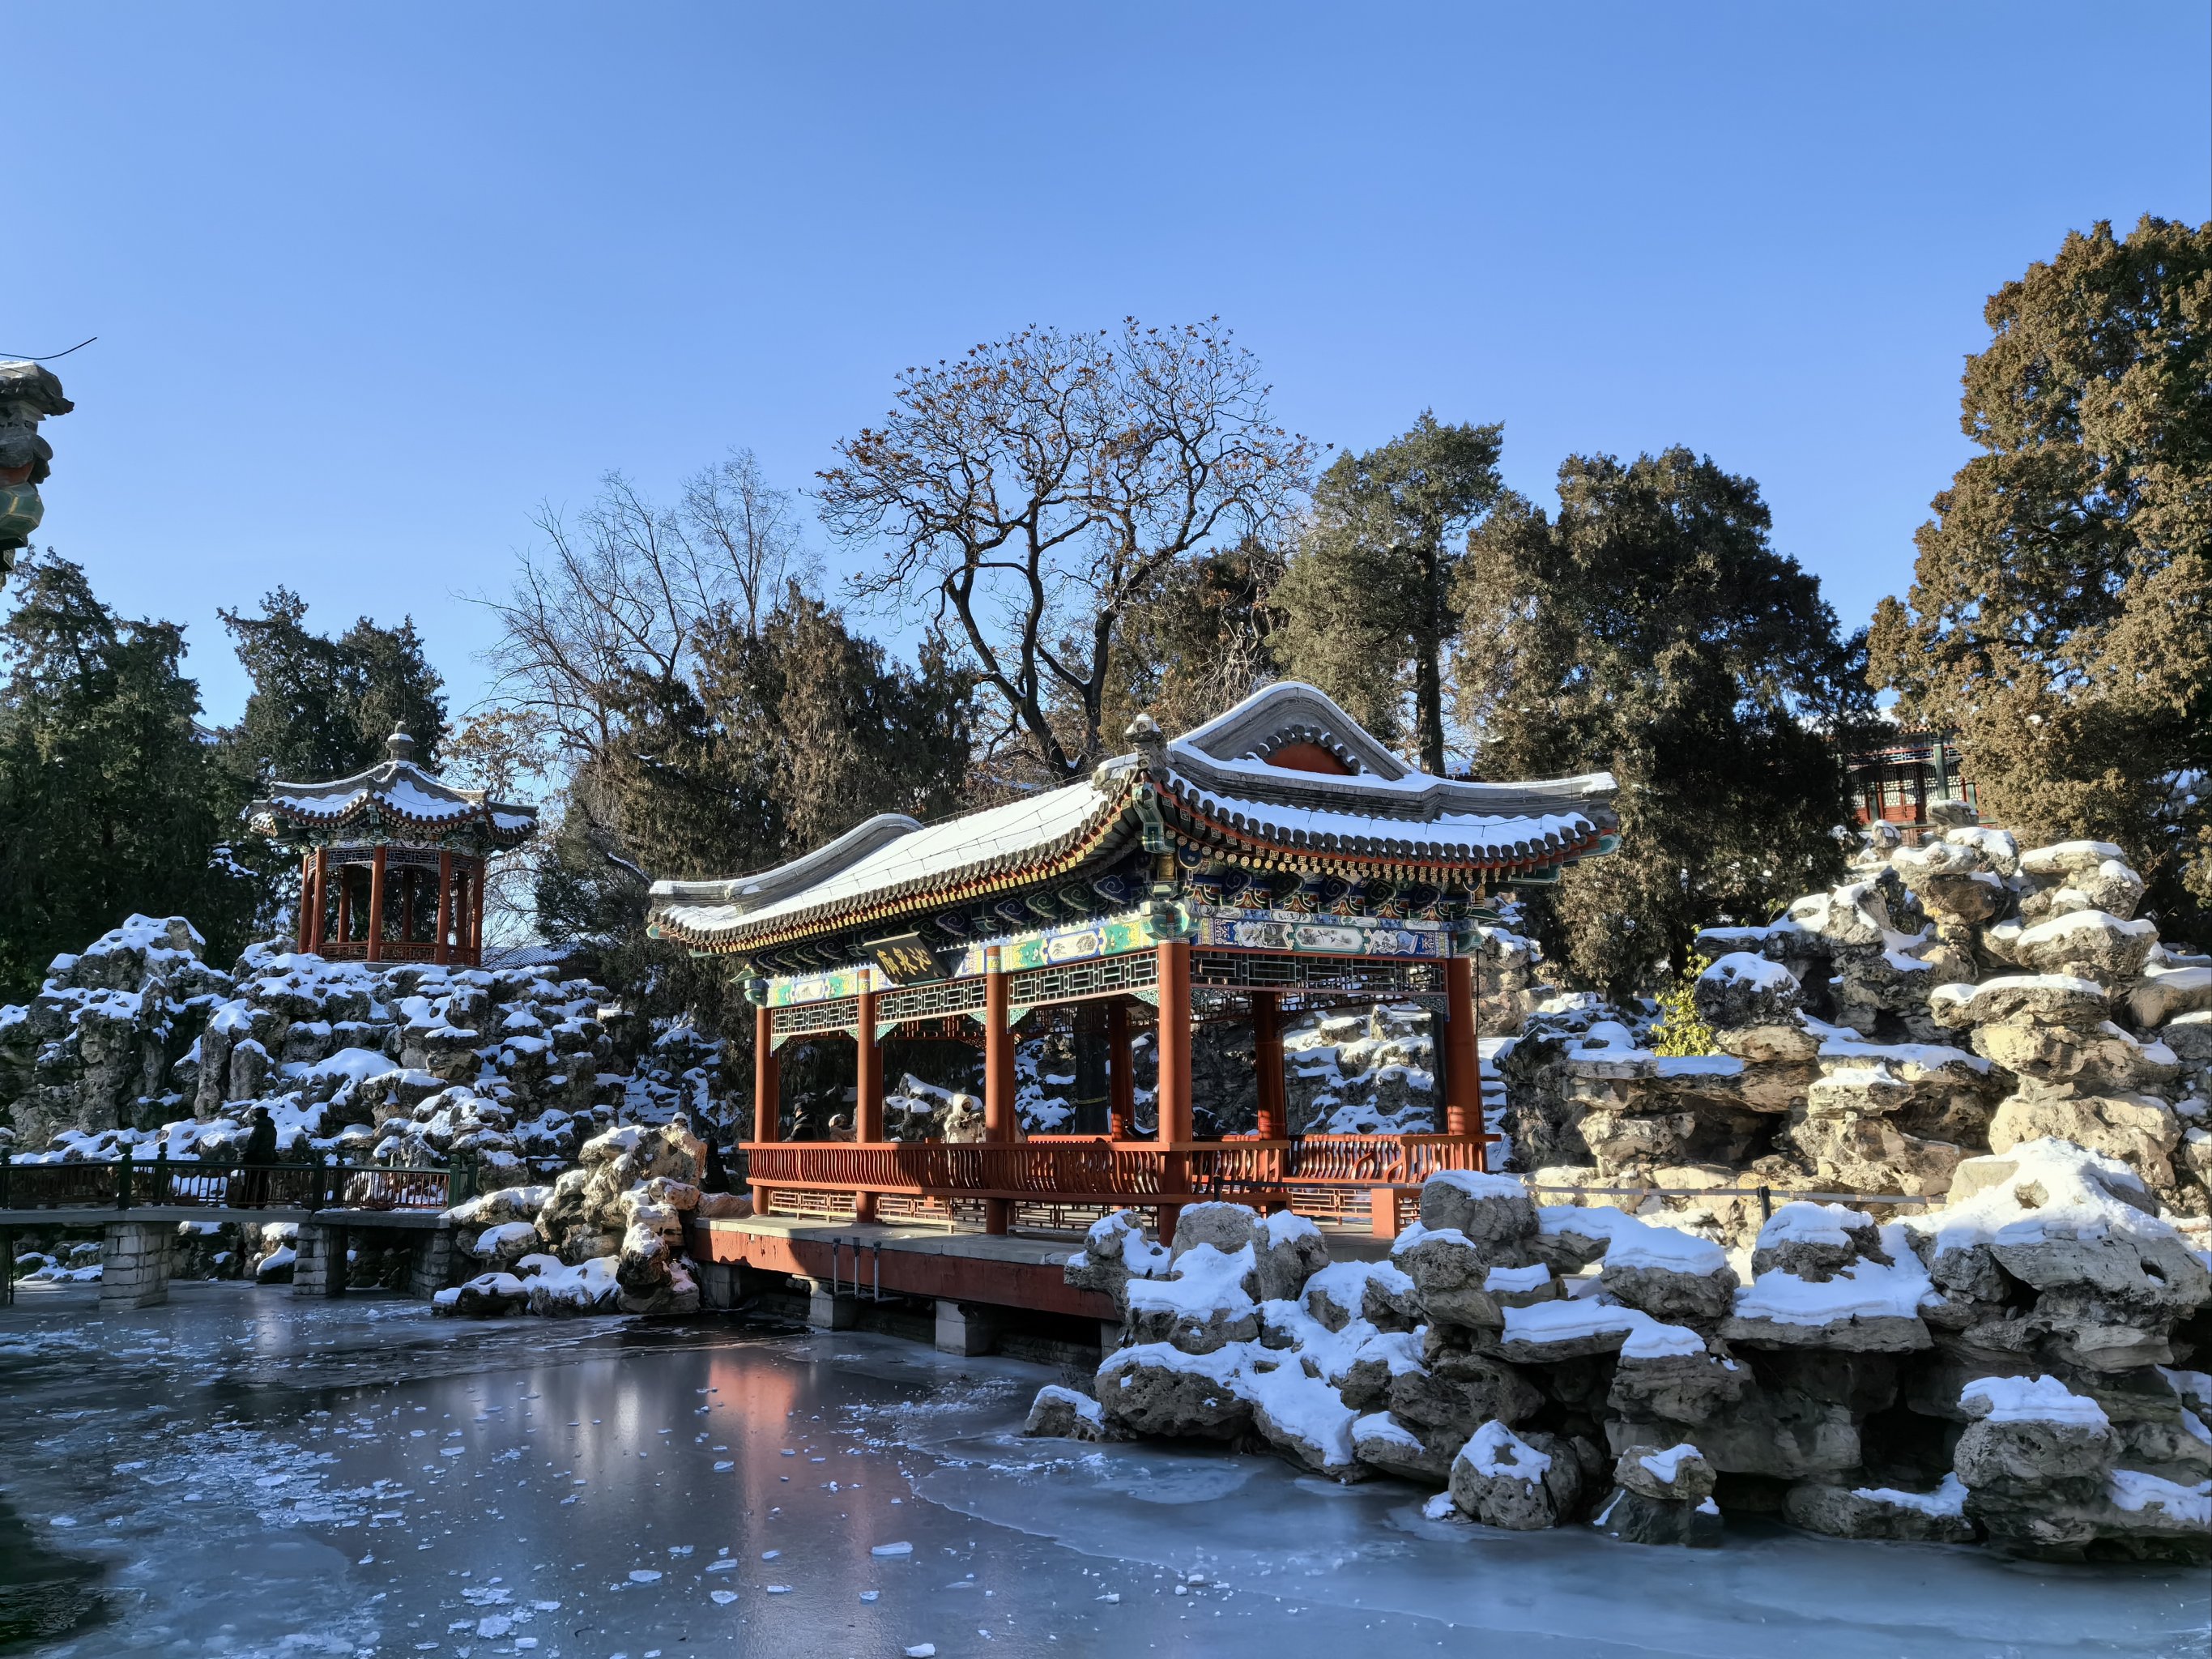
{"type": "Point", "coordinates": [1222, 858]}
{"type": "Point", "coordinates": [394, 803]}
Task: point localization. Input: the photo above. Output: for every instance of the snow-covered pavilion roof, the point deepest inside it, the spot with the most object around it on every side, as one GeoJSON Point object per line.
{"type": "Point", "coordinates": [386, 802]}
{"type": "Point", "coordinates": [1286, 779]}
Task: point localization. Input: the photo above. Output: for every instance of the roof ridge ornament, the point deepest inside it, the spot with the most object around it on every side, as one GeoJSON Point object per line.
{"type": "Point", "coordinates": [1150, 743]}
{"type": "Point", "coordinates": [399, 746]}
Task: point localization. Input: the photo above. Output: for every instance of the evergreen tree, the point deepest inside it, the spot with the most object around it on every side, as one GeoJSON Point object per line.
{"type": "Point", "coordinates": [1652, 631]}
{"type": "Point", "coordinates": [108, 793]}
{"type": "Point", "coordinates": [2060, 617]}
{"type": "Point", "coordinates": [1369, 601]}
{"type": "Point", "coordinates": [320, 708]}
{"type": "Point", "coordinates": [1203, 640]}
{"type": "Point", "coordinates": [796, 730]}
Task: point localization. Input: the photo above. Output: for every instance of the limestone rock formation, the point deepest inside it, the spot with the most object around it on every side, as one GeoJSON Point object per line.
{"type": "Point", "coordinates": [2010, 1366]}
{"type": "Point", "coordinates": [1951, 1000]}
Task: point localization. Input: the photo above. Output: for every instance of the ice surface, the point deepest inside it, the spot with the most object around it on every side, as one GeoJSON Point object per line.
{"type": "Point", "coordinates": [167, 1421]}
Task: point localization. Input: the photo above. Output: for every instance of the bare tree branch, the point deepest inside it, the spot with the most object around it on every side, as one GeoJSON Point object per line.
{"type": "Point", "coordinates": [1040, 486]}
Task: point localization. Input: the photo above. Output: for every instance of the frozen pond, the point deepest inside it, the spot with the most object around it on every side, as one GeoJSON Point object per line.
{"type": "Point", "coordinates": [243, 1473]}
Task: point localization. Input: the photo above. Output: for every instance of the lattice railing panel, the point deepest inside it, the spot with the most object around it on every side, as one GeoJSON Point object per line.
{"type": "Point", "coordinates": [933, 1001]}
{"type": "Point", "coordinates": [1073, 982]}
{"type": "Point", "coordinates": [811, 1018]}
{"type": "Point", "coordinates": [1324, 975]}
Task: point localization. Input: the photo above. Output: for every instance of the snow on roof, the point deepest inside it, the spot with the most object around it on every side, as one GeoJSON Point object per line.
{"type": "Point", "coordinates": [1217, 774]}
{"type": "Point", "coordinates": [1481, 837]}
{"type": "Point", "coordinates": [915, 857]}
{"type": "Point", "coordinates": [396, 787]}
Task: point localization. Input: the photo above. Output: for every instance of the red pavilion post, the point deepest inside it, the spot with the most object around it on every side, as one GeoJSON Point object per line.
{"type": "Point", "coordinates": [443, 950]}
{"type": "Point", "coordinates": [998, 1077]}
{"type": "Point", "coordinates": [375, 951]}
{"type": "Point", "coordinates": [868, 1092]}
{"type": "Point", "coordinates": [767, 1092]}
{"type": "Point", "coordinates": [1120, 1085]}
{"type": "Point", "coordinates": [1268, 1059]}
{"type": "Point", "coordinates": [1175, 1086]}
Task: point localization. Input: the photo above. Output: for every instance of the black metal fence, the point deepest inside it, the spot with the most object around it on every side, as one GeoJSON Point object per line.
{"type": "Point", "coordinates": [126, 1183]}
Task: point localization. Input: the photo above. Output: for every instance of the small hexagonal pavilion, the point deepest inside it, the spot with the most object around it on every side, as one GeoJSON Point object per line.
{"type": "Point", "coordinates": [392, 860]}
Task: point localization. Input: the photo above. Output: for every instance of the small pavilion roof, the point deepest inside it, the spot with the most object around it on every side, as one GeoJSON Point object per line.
{"type": "Point", "coordinates": [394, 795]}
{"type": "Point", "coordinates": [1216, 787]}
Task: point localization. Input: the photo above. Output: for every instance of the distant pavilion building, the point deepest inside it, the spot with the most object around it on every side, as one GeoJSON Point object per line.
{"type": "Point", "coordinates": [1276, 857]}
{"type": "Point", "coordinates": [392, 860]}
{"type": "Point", "coordinates": [1894, 781]}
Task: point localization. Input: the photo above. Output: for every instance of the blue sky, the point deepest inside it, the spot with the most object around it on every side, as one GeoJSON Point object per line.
{"type": "Point", "coordinates": [370, 282]}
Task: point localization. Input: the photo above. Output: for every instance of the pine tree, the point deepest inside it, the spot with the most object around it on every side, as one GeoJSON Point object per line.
{"type": "Point", "coordinates": [320, 708]}
{"type": "Point", "coordinates": [2060, 617]}
{"type": "Point", "coordinates": [1368, 601]}
{"type": "Point", "coordinates": [107, 789]}
{"type": "Point", "coordinates": [1652, 631]}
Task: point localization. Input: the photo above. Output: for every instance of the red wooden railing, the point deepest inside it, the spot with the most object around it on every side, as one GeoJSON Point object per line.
{"type": "Point", "coordinates": [1076, 1169]}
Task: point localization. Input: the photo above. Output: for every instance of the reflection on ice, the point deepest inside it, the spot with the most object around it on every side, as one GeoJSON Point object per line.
{"type": "Point", "coordinates": [256, 1474]}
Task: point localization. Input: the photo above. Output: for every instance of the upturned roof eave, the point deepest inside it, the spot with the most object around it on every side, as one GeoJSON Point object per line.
{"type": "Point", "coordinates": [1584, 799]}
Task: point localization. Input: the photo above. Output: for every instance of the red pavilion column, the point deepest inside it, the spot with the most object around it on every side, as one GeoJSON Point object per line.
{"type": "Point", "coordinates": [475, 912]}
{"type": "Point", "coordinates": [998, 1077]}
{"type": "Point", "coordinates": [306, 896]}
{"type": "Point", "coordinates": [1174, 1097]}
{"type": "Point", "coordinates": [1120, 1086]}
{"type": "Point", "coordinates": [443, 950]}
{"type": "Point", "coordinates": [320, 887]}
{"type": "Point", "coordinates": [1268, 1059]}
{"type": "Point", "coordinates": [768, 1093]}
{"type": "Point", "coordinates": [868, 1092]}
{"type": "Point", "coordinates": [1462, 1059]}
{"type": "Point", "coordinates": [375, 951]}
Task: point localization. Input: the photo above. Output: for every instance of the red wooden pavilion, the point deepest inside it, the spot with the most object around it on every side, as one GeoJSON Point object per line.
{"type": "Point", "coordinates": [1276, 858]}
{"type": "Point", "coordinates": [380, 849]}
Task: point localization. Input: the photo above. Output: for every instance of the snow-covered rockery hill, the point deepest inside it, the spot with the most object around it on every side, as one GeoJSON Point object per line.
{"type": "Point", "coordinates": [1957, 998]}
{"type": "Point", "coordinates": [138, 1043]}
{"type": "Point", "coordinates": [2011, 1368]}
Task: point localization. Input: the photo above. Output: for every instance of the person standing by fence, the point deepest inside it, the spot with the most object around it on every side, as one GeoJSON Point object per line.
{"type": "Point", "coordinates": [260, 1152]}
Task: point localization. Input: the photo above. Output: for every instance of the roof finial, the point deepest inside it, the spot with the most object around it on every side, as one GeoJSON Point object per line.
{"type": "Point", "coordinates": [400, 745]}
{"type": "Point", "coordinates": [1152, 744]}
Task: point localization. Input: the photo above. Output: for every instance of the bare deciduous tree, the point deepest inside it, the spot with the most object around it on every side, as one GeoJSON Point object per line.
{"type": "Point", "coordinates": [1040, 486]}
{"type": "Point", "coordinates": [614, 603]}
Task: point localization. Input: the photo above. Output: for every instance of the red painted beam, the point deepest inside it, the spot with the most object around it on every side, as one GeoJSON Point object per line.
{"type": "Point", "coordinates": [1038, 1286]}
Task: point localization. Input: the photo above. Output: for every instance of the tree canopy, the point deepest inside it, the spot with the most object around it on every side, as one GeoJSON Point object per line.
{"type": "Point", "coordinates": [1038, 488]}
{"type": "Point", "coordinates": [1650, 629]}
{"type": "Point", "coordinates": [1369, 603]}
{"type": "Point", "coordinates": [107, 785]}
{"type": "Point", "coordinates": [2060, 616]}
